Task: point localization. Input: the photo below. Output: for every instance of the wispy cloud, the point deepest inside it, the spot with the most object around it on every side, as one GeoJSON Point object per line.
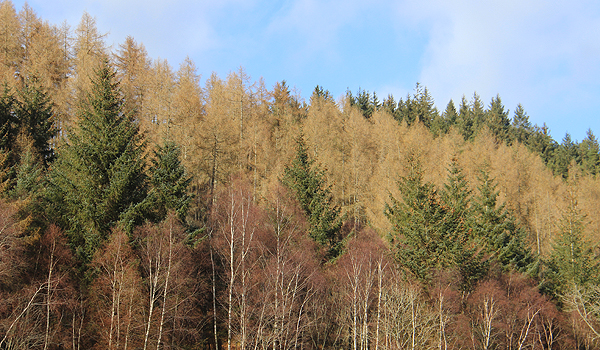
{"type": "Point", "coordinates": [525, 50]}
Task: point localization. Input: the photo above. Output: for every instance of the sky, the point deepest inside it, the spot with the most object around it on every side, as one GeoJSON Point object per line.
{"type": "Point", "coordinates": [543, 54]}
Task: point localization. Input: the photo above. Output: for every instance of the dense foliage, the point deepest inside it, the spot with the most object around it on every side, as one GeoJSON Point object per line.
{"type": "Point", "coordinates": [141, 209]}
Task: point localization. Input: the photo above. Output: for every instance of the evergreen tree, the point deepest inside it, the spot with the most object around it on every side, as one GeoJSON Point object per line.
{"type": "Point", "coordinates": [419, 227]}
{"type": "Point", "coordinates": [365, 103]}
{"type": "Point", "coordinates": [497, 119]}
{"type": "Point", "coordinates": [464, 120]}
{"type": "Point", "coordinates": [477, 113]}
{"type": "Point", "coordinates": [308, 184]}
{"type": "Point", "coordinates": [503, 238]}
{"type": "Point", "coordinates": [8, 131]}
{"type": "Point", "coordinates": [36, 117]}
{"type": "Point", "coordinates": [542, 143]}
{"type": "Point", "coordinates": [390, 105]}
{"type": "Point", "coordinates": [28, 186]}
{"type": "Point", "coordinates": [564, 155]}
{"type": "Point", "coordinates": [321, 93]}
{"type": "Point", "coordinates": [467, 254]}
{"type": "Point", "coordinates": [8, 120]}
{"type": "Point", "coordinates": [572, 259]}
{"type": "Point", "coordinates": [98, 178]}
{"type": "Point", "coordinates": [442, 123]}
{"type": "Point", "coordinates": [589, 153]}
{"type": "Point", "coordinates": [169, 183]}
{"type": "Point", "coordinates": [424, 106]}
{"type": "Point", "coordinates": [521, 129]}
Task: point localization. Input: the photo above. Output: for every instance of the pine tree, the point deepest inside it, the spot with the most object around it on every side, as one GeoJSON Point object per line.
{"type": "Point", "coordinates": [424, 106]}
{"type": "Point", "coordinates": [477, 113]}
{"type": "Point", "coordinates": [564, 155]}
{"type": "Point", "coordinates": [497, 119]}
{"type": "Point", "coordinates": [503, 238]}
{"type": "Point", "coordinates": [419, 229]}
{"type": "Point", "coordinates": [169, 183]}
{"type": "Point", "coordinates": [36, 118]}
{"type": "Point", "coordinates": [541, 142]}
{"type": "Point", "coordinates": [98, 178]}
{"type": "Point", "coordinates": [467, 254]}
{"type": "Point", "coordinates": [442, 123]}
{"type": "Point", "coordinates": [308, 184]}
{"type": "Point", "coordinates": [8, 120]}
{"type": "Point", "coordinates": [464, 121]}
{"type": "Point", "coordinates": [28, 186]}
{"type": "Point", "coordinates": [589, 153]}
{"type": "Point", "coordinates": [521, 129]}
{"type": "Point", "coordinates": [572, 259]}
{"type": "Point", "coordinates": [390, 105]}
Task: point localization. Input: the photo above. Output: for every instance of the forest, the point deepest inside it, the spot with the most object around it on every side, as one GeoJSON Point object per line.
{"type": "Point", "coordinates": [146, 207]}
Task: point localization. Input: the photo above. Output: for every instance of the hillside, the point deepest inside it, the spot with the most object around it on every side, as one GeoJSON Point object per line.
{"type": "Point", "coordinates": [148, 207]}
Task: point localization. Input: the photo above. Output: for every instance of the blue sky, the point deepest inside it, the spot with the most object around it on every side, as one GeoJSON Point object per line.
{"type": "Point", "coordinates": [544, 54]}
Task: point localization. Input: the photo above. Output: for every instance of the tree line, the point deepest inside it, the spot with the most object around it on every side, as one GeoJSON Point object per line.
{"type": "Point", "coordinates": [141, 209]}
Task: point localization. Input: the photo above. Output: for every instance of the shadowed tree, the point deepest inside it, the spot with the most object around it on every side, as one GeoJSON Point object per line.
{"type": "Point", "coordinates": [98, 178]}
{"type": "Point", "coordinates": [308, 184]}
{"type": "Point", "coordinates": [36, 118]}
{"type": "Point", "coordinates": [169, 183]}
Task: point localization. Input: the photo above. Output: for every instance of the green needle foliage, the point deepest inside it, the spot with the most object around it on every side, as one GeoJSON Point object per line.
{"type": "Point", "coordinates": [169, 183]}
{"type": "Point", "coordinates": [503, 238]}
{"type": "Point", "coordinates": [308, 184]}
{"type": "Point", "coordinates": [98, 178]}
{"type": "Point", "coordinates": [8, 120]}
{"type": "Point", "coordinates": [572, 261]}
{"type": "Point", "coordinates": [420, 225]}
{"type": "Point", "coordinates": [36, 118]}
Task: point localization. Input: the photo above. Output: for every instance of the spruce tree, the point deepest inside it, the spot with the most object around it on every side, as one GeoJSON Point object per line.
{"type": "Point", "coordinates": [572, 259]}
{"type": "Point", "coordinates": [564, 155]}
{"type": "Point", "coordinates": [589, 153]}
{"type": "Point", "coordinates": [464, 120]}
{"type": "Point", "coordinates": [36, 117]}
{"type": "Point", "coordinates": [541, 142]}
{"type": "Point", "coordinates": [521, 129]}
{"type": "Point", "coordinates": [308, 184]}
{"type": "Point", "coordinates": [497, 119]}
{"type": "Point", "coordinates": [8, 120]}
{"type": "Point", "coordinates": [98, 178]}
{"type": "Point", "coordinates": [493, 222]}
{"type": "Point", "coordinates": [419, 229]}
{"type": "Point", "coordinates": [169, 183]}
{"type": "Point", "coordinates": [28, 186]}
{"type": "Point", "coordinates": [466, 248]}
{"type": "Point", "coordinates": [8, 131]}
{"type": "Point", "coordinates": [424, 106]}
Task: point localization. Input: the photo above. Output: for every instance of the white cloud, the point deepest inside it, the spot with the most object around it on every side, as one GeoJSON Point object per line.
{"type": "Point", "coordinates": [315, 25]}
{"type": "Point", "coordinates": [532, 50]}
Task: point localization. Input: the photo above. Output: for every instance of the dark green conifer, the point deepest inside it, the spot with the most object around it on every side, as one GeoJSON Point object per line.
{"type": "Point", "coordinates": [308, 184]}
{"type": "Point", "coordinates": [542, 143]}
{"type": "Point", "coordinates": [419, 229]}
{"type": "Point", "coordinates": [565, 154]}
{"type": "Point", "coordinates": [572, 259]}
{"type": "Point", "coordinates": [467, 253]}
{"type": "Point", "coordinates": [497, 119]}
{"type": "Point", "coordinates": [35, 116]}
{"type": "Point", "coordinates": [98, 178]}
{"type": "Point", "coordinates": [477, 113]}
{"type": "Point", "coordinates": [464, 121]}
{"type": "Point", "coordinates": [8, 120]}
{"type": "Point", "coordinates": [169, 183]}
{"type": "Point", "coordinates": [424, 106]}
{"type": "Point", "coordinates": [589, 153]}
{"type": "Point", "coordinates": [521, 129]}
{"type": "Point", "coordinates": [503, 238]}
